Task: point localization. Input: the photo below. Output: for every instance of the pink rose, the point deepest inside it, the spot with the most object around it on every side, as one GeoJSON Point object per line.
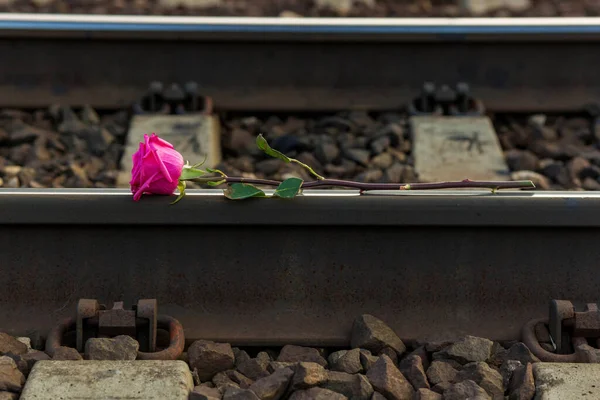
{"type": "Point", "coordinates": [156, 168]}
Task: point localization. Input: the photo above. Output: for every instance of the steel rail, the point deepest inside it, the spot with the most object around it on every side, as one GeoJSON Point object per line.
{"type": "Point", "coordinates": [285, 29]}
{"type": "Point", "coordinates": [271, 64]}
{"type": "Point", "coordinates": [435, 265]}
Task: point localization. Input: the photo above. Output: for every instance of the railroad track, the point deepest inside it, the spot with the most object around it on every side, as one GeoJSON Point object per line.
{"type": "Point", "coordinates": [435, 266]}
{"type": "Point", "coordinates": [300, 64]}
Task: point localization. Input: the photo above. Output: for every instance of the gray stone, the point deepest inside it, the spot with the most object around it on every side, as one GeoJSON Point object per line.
{"type": "Point", "coordinates": [275, 365]}
{"type": "Point", "coordinates": [240, 356]}
{"type": "Point", "coordinates": [518, 160]}
{"type": "Point", "coordinates": [383, 160]}
{"type": "Point", "coordinates": [590, 183]}
{"type": "Point", "coordinates": [395, 173]}
{"type": "Point", "coordinates": [307, 375]}
{"type": "Point", "coordinates": [498, 355]}
{"type": "Point", "coordinates": [440, 371]}
{"type": "Point", "coordinates": [292, 353]}
{"type": "Point", "coordinates": [343, 7]}
{"type": "Point", "coordinates": [21, 364]}
{"type": "Point", "coordinates": [434, 347]}
{"type": "Point", "coordinates": [121, 347]}
{"type": "Point", "coordinates": [269, 166]}
{"type": "Point", "coordinates": [412, 368]}
{"type": "Point", "coordinates": [486, 377]}
{"type": "Point", "coordinates": [421, 352]}
{"type": "Point", "coordinates": [370, 176]}
{"type": "Point", "coordinates": [209, 358]}
{"type": "Point", "coordinates": [521, 352]}
{"type": "Point", "coordinates": [11, 379]}
{"type": "Point", "coordinates": [360, 156]}
{"type": "Point", "coordinates": [352, 386]}
{"type": "Point", "coordinates": [388, 380]}
{"type": "Point", "coordinates": [9, 344]}
{"type": "Point", "coordinates": [391, 353]}
{"type": "Point", "coordinates": [242, 380]}
{"type": "Point", "coordinates": [349, 362]}
{"type": "Point", "coordinates": [66, 353]}
{"type": "Point", "coordinates": [205, 393]}
{"type": "Point", "coordinates": [241, 141]}
{"type": "Point", "coordinates": [466, 390]}
{"type": "Point", "coordinates": [371, 333]}
{"type": "Point", "coordinates": [335, 356]}
{"type": "Point", "coordinates": [255, 368]}
{"type": "Point", "coordinates": [522, 384]}
{"type": "Point", "coordinates": [442, 387]}
{"type": "Point", "coordinates": [326, 153]}
{"type": "Point", "coordinates": [377, 396]}
{"type": "Point", "coordinates": [317, 393]}
{"type": "Point", "coordinates": [233, 393]}
{"type": "Point", "coordinates": [222, 381]}
{"type": "Point", "coordinates": [34, 356]}
{"type": "Point", "coordinates": [380, 144]}
{"type": "Point", "coordinates": [92, 379]}
{"type": "Point", "coordinates": [367, 359]}
{"type": "Point", "coordinates": [507, 369]}
{"type": "Point", "coordinates": [468, 349]}
{"type": "Point", "coordinates": [273, 386]}
{"type": "Point", "coordinates": [427, 394]}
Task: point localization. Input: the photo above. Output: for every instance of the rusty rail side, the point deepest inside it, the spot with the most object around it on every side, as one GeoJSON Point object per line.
{"type": "Point", "coordinates": [300, 67]}
{"type": "Point", "coordinates": [434, 266]}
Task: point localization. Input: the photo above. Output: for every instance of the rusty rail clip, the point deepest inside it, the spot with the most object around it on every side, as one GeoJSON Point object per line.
{"type": "Point", "coordinates": [173, 100]}
{"type": "Point", "coordinates": [141, 322]}
{"type": "Point", "coordinates": [569, 333]}
{"type": "Point", "coordinates": [444, 100]}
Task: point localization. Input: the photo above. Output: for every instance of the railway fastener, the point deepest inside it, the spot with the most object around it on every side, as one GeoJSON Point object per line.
{"type": "Point", "coordinates": [570, 333]}
{"type": "Point", "coordinates": [141, 322]}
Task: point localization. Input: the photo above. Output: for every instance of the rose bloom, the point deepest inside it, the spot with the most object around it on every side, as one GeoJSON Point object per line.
{"type": "Point", "coordinates": [156, 168]}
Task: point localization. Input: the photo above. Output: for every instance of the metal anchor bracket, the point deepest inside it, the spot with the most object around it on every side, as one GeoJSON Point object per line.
{"type": "Point", "coordinates": [94, 320]}
{"type": "Point", "coordinates": [445, 100]}
{"type": "Point", "coordinates": [570, 333]}
{"type": "Point", "coordinates": [173, 99]}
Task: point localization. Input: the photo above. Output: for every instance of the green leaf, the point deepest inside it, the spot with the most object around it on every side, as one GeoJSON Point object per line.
{"type": "Point", "coordinates": [200, 163]}
{"type": "Point", "coordinates": [289, 188]}
{"type": "Point", "coordinates": [216, 183]}
{"type": "Point", "coordinates": [181, 188]}
{"type": "Point", "coordinates": [262, 144]}
{"type": "Point", "coordinates": [238, 191]}
{"type": "Point", "coordinates": [191, 173]}
{"type": "Point", "coordinates": [216, 171]}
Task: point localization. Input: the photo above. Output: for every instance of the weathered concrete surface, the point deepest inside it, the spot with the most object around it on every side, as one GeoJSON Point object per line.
{"type": "Point", "coordinates": [93, 379]}
{"type": "Point", "coordinates": [557, 381]}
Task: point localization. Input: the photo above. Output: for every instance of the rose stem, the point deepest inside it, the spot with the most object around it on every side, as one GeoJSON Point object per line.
{"type": "Point", "coordinates": [391, 186]}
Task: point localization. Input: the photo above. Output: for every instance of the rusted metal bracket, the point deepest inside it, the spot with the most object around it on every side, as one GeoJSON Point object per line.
{"type": "Point", "coordinates": [444, 100]}
{"type": "Point", "coordinates": [570, 333]}
{"type": "Point", "coordinates": [94, 320]}
{"type": "Point", "coordinates": [173, 99]}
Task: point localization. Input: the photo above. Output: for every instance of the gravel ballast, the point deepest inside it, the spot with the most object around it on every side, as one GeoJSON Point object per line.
{"type": "Point", "coordinates": [471, 367]}
{"type": "Point", "coordinates": [64, 148]}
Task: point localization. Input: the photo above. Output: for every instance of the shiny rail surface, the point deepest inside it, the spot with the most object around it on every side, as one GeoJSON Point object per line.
{"type": "Point", "coordinates": [305, 64]}
{"type": "Point", "coordinates": [277, 29]}
{"type": "Point", "coordinates": [434, 265]}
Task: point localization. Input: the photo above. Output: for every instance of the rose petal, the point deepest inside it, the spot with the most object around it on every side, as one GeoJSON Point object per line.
{"type": "Point", "coordinates": [138, 194]}
{"type": "Point", "coordinates": [161, 141]}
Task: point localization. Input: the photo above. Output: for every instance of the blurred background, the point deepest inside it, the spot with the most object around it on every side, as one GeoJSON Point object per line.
{"type": "Point", "coordinates": [313, 8]}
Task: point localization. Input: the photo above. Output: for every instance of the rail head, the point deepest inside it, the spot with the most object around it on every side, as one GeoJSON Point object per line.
{"type": "Point", "coordinates": [314, 208]}
{"type": "Point", "coordinates": [297, 29]}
